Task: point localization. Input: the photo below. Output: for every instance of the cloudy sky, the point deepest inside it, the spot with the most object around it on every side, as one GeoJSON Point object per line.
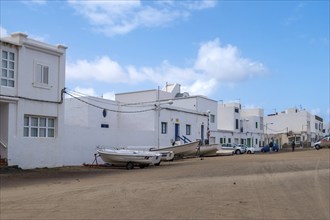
{"type": "Point", "coordinates": [268, 54]}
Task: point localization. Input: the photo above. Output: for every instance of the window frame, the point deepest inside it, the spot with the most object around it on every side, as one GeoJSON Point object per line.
{"type": "Point", "coordinates": [39, 126]}
{"type": "Point", "coordinates": [188, 129]}
{"type": "Point", "coordinates": [163, 128]}
{"type": "Point", "coordinates": [6, 69]}
{"type": "Point", "coordinates": [42, 78]}
{"type": "Point", "coordinates": [212, 118]}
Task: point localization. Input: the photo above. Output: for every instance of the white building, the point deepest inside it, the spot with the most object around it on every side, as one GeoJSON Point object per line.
{"type": "Point", "coordinates": [239, 126]}
{"type": "Point", "coordinates": [142, 118]}
{"type": "Point", "coordinates": [31, 109]}
{"type": "Point", "coordinates": [40, 129]}
{"type": "Point", "coordinates": [294, 125]}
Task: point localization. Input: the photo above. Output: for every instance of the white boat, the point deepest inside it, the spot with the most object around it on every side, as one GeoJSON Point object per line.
{"type": "Point", "coordinates": [165, 154]}
{"type": "Point", "coordinates": [181, 149]}
{"type": "Point", "coordinates": [208, 150]}
{"type": "Point", "coordinates": [225, 152]}
{"type": "Point", "coordinates": [129, 158]}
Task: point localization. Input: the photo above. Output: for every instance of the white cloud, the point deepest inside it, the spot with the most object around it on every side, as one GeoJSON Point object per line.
{"type": "Point", "coordinates": [201, 87]}
{"type": "Point", "coordinates": [121, 17]}
{"type": "Point", "coordinates": [214, 65]}
{"type": "Point", "coordinates": [225, 63]}
{"type": "Point", "coordinates": [101, 69]}
{"type": "Point", "coordinates": [3, 32]}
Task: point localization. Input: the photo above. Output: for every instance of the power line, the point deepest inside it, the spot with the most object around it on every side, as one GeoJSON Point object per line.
{"type": "Point", "coordinates": [111, 110]}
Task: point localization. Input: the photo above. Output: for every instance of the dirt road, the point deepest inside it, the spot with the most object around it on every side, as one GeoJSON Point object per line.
{"type": "Point", "coordinates": [286, 185]}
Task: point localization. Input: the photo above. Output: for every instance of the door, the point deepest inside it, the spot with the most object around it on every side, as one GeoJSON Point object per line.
{"type": "Point", "coordinates": [177, 132]}
{"type": "Point", "coordinates": [202, 133]}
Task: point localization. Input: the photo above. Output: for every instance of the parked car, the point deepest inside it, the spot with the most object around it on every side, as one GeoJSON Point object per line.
{"type": "Point", "coordinates": [267, 148]}
{"type": "Point", "coordinates": [237, 149]}
{"type": "Point", "coordinates": [250, 150]}
{"type": "Point", "coordinates": [324, 142]}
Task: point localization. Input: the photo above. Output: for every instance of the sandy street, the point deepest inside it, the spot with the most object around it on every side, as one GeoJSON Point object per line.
{"type": "Point", "coordinates": [285, 185]}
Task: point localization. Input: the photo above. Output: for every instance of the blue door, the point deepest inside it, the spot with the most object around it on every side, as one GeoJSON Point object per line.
{"type": "Point", "coordinates": [177, 132]}
{"type": "Point", "coordinates": [202, 133]}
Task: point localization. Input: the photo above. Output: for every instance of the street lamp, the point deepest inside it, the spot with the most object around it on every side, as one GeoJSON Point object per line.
{"type": "Point", "coordinates": [158, 108]}
{"type": "Point", "coordinates": [271, 123]}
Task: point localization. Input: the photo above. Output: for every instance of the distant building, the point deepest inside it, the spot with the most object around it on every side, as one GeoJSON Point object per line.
{"type": "Point", "coordinates": [296, 125]}
{"type": "Point", "coordinates": [31, 109]}
{"type": "Point", "coordinates": [240, 126]}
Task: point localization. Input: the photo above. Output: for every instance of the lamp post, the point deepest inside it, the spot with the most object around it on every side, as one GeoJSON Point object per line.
{"type": "Point", "coordinates": [158, 108]}
{"type": "Point", "coordinates": [302, 131]}
{"type": "Point", "coordinates": [271, 123]}
{"type": "Point", "coordinates": [247, 131]}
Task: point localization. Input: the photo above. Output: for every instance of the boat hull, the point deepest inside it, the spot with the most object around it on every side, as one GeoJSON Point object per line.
{"type": "Point", "coordinates": [182, 149]}
{"type": "Point", "coordinates": [208, 150]}
{"type": "Point", "coordinates": [122, 157]}
{"type": "Point", "coordinates": [166, 155]}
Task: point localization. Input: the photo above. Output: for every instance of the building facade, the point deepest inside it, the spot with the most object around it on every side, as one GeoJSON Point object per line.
{"type": "Point", "coordinates": [296, 125]}
{"type": "Point", "coordinates": [239, 126]}
{"type": "Point", "coordinates": [31, 101]}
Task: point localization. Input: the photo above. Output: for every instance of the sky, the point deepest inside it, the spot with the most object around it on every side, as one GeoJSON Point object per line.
{"type": "Point", "coordinates": [265, 54]}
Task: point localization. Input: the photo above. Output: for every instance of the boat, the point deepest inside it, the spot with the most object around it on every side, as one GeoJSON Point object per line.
{"type": "Point", "coordinates": [225, 152]}
{"type": "Point", "coordinates": [165, 154]}
{"type": "Point", "coordinates": [180, 149]}
{"type": "Point", "coordinates": [208, 150]}
{"type": "Point", "coordinates": [129, 158]}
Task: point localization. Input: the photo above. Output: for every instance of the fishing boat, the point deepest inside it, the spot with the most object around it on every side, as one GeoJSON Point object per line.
{"type": "Point", "coordinates": [180, 149]}
{"type": "Point", "coordinates": [165, 154]}
{"type": "Point", "coordinates": [208, 150]}
{"type": "Point", "coordinates": [129, 158]}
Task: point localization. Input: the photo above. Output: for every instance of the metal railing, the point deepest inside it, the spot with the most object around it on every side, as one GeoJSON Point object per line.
{"type": "Point", "coordinates": [184, 139]}
{"type": "Point", "coordinates": [2, 144]}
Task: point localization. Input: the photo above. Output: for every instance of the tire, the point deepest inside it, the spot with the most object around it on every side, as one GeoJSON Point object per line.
{"type": "Point", "coordinates": [237, 152]}
{"type": "Point", "coordinates": [249, 152]}
{"type": "Point", "coordinates": [317, 147]}
{"type": "Point", "coordinates": [142, 166]}
{"type": "Point", "coordinates": [129, 165]}
{"type": "Point", "coordinates": [276, 150]}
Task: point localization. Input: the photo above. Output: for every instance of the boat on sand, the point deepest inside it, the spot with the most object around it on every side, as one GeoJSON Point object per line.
{"type": "Point", "coordinates": [129, 158]}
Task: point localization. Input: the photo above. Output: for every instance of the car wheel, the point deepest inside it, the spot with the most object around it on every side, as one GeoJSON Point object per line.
{"type": "Point", "coordinates": [249, 152]}
{"type": "Point", "coordinates": [276, 150]}
{"type": "Point", "coordinates": [129, 165]}
{"type": "Point", "coordinates": [238, 152]}
{"type": "Point", "coordinates": [317, 147]}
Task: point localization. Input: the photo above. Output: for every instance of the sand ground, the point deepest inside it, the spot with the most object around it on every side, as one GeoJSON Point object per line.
{"type": "Point", "coordinates": [285, 185]}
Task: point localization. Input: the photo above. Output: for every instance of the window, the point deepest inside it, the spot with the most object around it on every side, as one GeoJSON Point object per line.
{"type": "Point", "coordinates": [221, 141]}
{"type": "Point", "coordinates": [236, 123]}
{"type": "Point", "coordinates": [39, 126]}
{"type": "Point", "coordinates": [42, 74]}
{"type": "Point", "coordinates": [7, 68]}
{"type": "Point", "coordinates": [236, 110]}
{"type": "Point", "coordinates": [188, 129]}
{"type": "Point", "coordinates": [164, 127]}
{"type": "Point", "coordinates": [229, 140]}
{"type": "Point", "coordinates": [256, 124]}
{"type": "Point", "coordinates": [212, 118]}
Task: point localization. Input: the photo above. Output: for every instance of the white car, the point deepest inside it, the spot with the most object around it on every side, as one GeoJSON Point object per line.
{"type": "Point", "coordinates": [324, 142]}
{"type": "Point", "coordinates": [250, 150]}
{"type": "Point", "coordinates": [237, 148]}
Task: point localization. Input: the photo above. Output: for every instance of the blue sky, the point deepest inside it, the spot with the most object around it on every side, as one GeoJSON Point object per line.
{"type": "Point", "coordinates": [268, 54]}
